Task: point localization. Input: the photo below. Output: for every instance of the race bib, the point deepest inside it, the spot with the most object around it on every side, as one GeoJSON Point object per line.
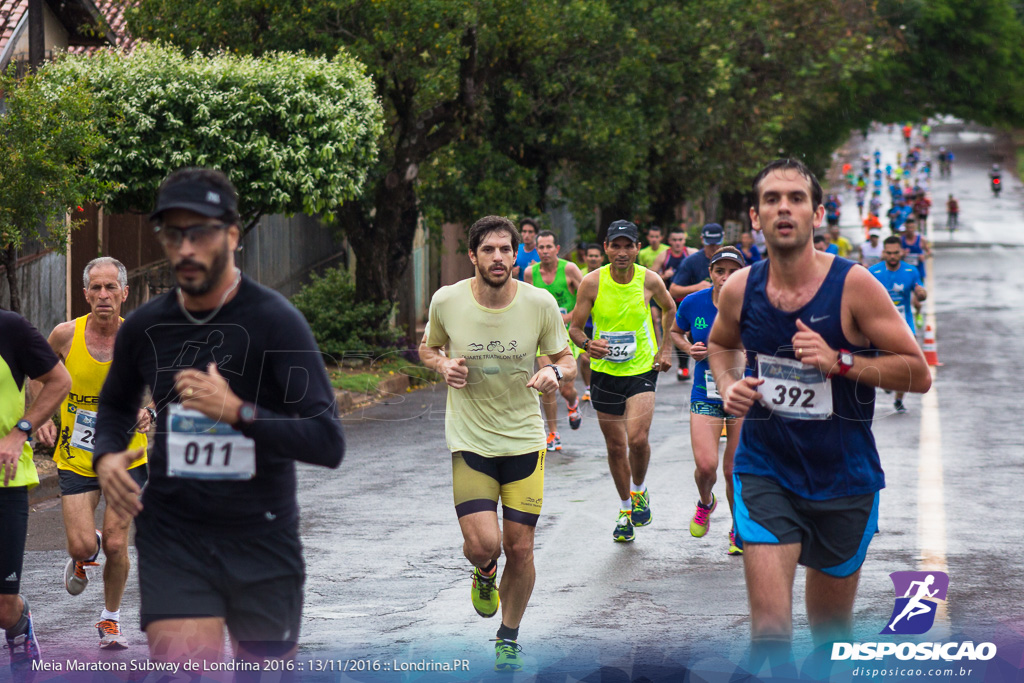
{"type": "Point", "coordinates": [201, 448]}
{"type": "Point", "coordinates": [792, 389]}
{"type": "Point", "coordinates": [84, 434]}
{"type": "Point", "coordinates": [621, 346]}
{"type": "Point", "coordinates": [710, 388]}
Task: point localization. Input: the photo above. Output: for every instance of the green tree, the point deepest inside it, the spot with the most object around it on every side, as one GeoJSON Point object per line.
{"type": "Point", "coordinates": [294, 133]}
{"type": "Point", "coordinates": [48, 138]}
{"type": "Point", "coordinates": [435, 64]}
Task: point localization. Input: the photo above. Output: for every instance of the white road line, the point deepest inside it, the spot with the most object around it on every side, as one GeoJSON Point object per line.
{"type": "Point", "coordinates": [931, 506]}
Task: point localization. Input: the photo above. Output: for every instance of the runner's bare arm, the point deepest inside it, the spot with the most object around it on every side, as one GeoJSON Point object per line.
{"type": "Point", "coordinates": [573, 276]}
{"type": "Point", "coordinates": [725, 349]}
{"type": "Point", "coordinates": [544, 379]}
{"type": "Point", "coordinates": [659, 294]}
{"type": "Point", "coordinates": [60, 341]}
{"type": "Point", "coordinates": [681, 292]}
{"type": "Point", "coordinates": [869, 319]}
{"type": "Point", "coordinates": [680, 338]}
{"type": "Point", "coordinates": [453, 370]}
{"type": "Point", "coordinates": [899, 364]}
{"type": "Point", "coordinates": [584, 305]}
{"type": "Point", "coordinates": [528, 275]}
{"type": "Point", "coordinates": [55, 385]}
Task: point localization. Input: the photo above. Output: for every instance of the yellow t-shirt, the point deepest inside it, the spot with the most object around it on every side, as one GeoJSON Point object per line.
{"type": "Point", "coordinates": [78, 411]}
{"type": "Point", "coordinates": [843, 246]}
{"type": "Point", "coordinates": [495, 414]}
{"type": "Point", "coordinates": [646, 256]}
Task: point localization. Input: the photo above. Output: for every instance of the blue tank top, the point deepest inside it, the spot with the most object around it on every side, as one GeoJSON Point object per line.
{"type": "Point", "coordinates": [915, 254]}
{"type": "Point", "coordinates": [816, 459]}
{"type": "Point", "coordinates": [696, 315]}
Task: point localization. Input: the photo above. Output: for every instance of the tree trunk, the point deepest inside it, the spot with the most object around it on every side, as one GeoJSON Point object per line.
{"type": "Point", "coordinates": [9, 260]}
{"type": "Point", "coordinates": [383, 247]}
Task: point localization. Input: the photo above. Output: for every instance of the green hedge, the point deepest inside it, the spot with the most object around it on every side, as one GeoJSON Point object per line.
{"type": "Point", "coordinates": [342, 325]}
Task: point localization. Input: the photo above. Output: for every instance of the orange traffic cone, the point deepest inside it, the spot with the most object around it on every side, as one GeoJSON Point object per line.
{"type": "Point", "coordinates": [930, 354]}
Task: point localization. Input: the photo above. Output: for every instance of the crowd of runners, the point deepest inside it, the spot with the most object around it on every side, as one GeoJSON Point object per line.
{"type": "Point", "coordinates": [181, 417]}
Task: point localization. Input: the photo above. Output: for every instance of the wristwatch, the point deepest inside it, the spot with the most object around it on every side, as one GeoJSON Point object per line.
{"type": "Point", "coordinates": [152, 414]}
{"type": "Point", "coordinates": [558, 371]}
{"type": "Point", "coordinates": [586, 343]}
{"type": "Point", "coordinates": [845, 361]}
{"type": "Point", "coordinates": [246, 415]}
{"type": "Point", "coordinates": [26, 426]}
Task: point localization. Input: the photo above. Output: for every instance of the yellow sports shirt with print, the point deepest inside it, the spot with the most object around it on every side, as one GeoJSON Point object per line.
{"type": "Point", "coordinates": [495, 414]}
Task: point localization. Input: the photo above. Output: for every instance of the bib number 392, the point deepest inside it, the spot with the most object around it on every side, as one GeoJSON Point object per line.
{"type": "Point", "coordinates": [201, 448]}
{"type": "Point", "coordinates": [792, 389]}
{"type": "Point", "coordinates": [621, 346]}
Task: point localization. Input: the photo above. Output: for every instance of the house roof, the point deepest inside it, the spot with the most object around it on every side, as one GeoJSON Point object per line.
{"type": "Point", "coordinates": [90, 24]}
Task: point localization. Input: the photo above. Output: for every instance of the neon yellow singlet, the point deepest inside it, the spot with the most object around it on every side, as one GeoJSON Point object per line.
{"type": "Point", "coordinates": [12, 409]}
{"type": "Point", "coordinates": [78, 411]}
{"type": "Point", "coordinates": [622, 315]}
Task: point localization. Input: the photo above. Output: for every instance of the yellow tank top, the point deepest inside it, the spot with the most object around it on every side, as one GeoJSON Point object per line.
{"type": "Point", "coordinates": [622, 315]}
{"type": "Point", "coordinates": [78, 411]}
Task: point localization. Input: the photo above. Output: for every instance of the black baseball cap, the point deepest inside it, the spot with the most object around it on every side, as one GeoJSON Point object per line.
{"type": "Point", "coordinates": [712, 233]}
{"type": "Point", "coordinates": [195, 195]}
{"type": "Point", "coordinates": [622, 229]}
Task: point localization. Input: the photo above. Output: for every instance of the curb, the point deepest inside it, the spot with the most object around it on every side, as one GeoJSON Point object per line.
{"type": "Point", "coordinates": [49, 487]}
{"type": "Point", "coordinates": [349, 401]}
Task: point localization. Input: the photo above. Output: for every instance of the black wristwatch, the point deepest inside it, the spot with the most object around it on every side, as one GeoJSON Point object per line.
{"type": "Point", "coordinates": [26, 426]}
{"type": "Point", "coordinates": [246, 415]}
{"type": "Point", "coordinates": [558, 371]}
{"type": "Point", "coordinates": [152, 414]}
{"type": "Point", "coordinates": [586, 343]}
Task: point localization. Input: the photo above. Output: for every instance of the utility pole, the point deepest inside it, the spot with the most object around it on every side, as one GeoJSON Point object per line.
{"type": "Point", "coordinates": [36, 35]}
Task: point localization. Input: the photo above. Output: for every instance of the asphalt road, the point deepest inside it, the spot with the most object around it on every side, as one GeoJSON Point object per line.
{"type": "Point", "coordinates": [388, 585]}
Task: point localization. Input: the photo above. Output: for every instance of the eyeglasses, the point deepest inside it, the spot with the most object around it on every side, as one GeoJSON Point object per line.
{"type": "Point", "coordinates": [201, 233]}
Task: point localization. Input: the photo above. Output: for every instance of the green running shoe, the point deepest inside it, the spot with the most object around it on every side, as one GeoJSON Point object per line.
{"type": "Point", "coordinates": [485, 593]}
{"type": "Point", "coordinates": [623, 532]}
{"type": "Point", "coordinates": [640, 515]}
{"type": "Point", "coordinates": [702, 517]}
{"type": "Point", "coordinates": [733, 548]}
{"type": "Point", "coordinates": [506, 655]}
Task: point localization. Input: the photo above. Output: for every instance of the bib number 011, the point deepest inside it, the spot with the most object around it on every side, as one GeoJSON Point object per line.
{"type": "Point", "coordinates": [201, 448]}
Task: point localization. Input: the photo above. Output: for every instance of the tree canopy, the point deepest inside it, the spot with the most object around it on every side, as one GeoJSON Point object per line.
{"type": "Point", "coordinates": [294, 133]}
{"type": "Point", "coordinates": [48, 139]}
{"type": "Point", "coordinates": [630, 105]}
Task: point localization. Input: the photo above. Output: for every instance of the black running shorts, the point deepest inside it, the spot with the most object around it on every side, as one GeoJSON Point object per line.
{"type": "Point", "coordinates": [254, 583]}
{"type": "Point", "coordinates": [834, 534]}
{"type": "Point", "coordinates": [73, 483]}
{"type": "Point", "coordinates": [609, 393]}
{"type": "Point", "coordinates": [518, 480]}
{"type": "Point", "coordinates": [13, 530]}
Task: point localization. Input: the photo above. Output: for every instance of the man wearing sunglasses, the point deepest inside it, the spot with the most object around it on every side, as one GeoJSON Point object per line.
{"type": "Point", "coordinates": [241, 394]}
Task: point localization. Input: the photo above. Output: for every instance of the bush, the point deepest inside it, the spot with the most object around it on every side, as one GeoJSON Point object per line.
{"type": "Point", "coordinates": [342, 325]}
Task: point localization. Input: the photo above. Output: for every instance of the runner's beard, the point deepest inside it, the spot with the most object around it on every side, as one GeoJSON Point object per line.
{"type": "Point", "coordinates": [492, 281]}
{"type": "Point", "coordinates": [213, 274]}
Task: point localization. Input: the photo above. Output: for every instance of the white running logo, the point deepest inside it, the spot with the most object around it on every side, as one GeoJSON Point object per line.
{"type": "Point", "coordinates": [12, 577]}
{"type": "Point", "coordinates": [818, 320]}
{"type": "Point", "coordinates": [916, 605]}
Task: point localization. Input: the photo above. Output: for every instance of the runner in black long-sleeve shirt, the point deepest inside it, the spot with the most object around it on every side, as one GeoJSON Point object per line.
{"type": "Point", "coordinates": [241, 394]}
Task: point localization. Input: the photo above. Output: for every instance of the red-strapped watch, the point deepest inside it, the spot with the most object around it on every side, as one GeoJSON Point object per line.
{"type": "Point", "coordinates": [845, 361]}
